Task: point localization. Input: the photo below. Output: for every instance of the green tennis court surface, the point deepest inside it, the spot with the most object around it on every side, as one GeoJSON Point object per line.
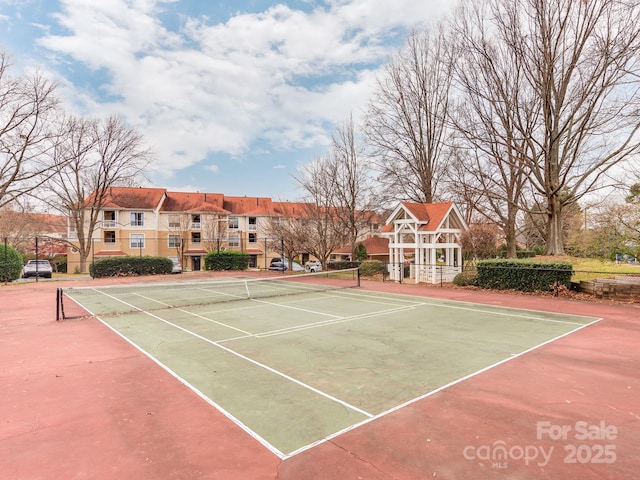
{"type": "Point", "coordinates": [295, 370]}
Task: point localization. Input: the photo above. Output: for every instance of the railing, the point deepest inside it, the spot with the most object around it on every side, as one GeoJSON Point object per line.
{"type": "Point", "coordinates": [420, 273]}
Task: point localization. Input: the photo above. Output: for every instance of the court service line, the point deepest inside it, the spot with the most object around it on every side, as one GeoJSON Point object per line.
{"type": "Point", "coordinates": [490, 312]}
{"type": "Point", "coordinates": [284, 305]}
{"type": "Point", "coordinates": [437, 390]}
{"type": "Point", "coordinates": [250, 360]}
{"type": "Point", "coordinates": [321, 323]}
{"type": "Point", "coordinates": [330, 322]}
{"type": "Point", "coordinates": [194, 314]}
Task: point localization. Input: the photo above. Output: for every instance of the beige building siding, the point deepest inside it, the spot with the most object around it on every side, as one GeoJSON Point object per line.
{"type": "Point", "coordinates": [204, 222]}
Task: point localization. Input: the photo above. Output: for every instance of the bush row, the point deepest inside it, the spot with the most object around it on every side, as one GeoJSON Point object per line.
{"type": "Point", "coordinates": [371, 268]}
{"type": "Point", "coordinates": [230, 260]}
{"type": "Point", "coordinates": [342, 265]}
{"type": "Point", "coordinates": [523, 275]}
{"type": "Point", "coordinates": [10, 263]}
{"type": "Point", "coordinates": [130, 266]}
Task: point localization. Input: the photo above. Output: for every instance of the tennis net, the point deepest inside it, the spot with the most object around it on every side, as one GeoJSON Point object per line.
{"type": "Point", "coordinates": [121, 299]}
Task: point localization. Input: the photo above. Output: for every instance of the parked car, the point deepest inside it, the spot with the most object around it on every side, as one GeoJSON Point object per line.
{"type": "Point", "coordinates": [281, 265]}
{"type": "Point", "coordinates": [37, 268]}
{"type": "Point", "coordinates": [313, 266]}
{"type": "Point", "coordinates": [177, 268]}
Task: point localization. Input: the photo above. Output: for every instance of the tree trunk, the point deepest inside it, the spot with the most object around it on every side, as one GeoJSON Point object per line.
{"type": "Point", "coordinates": [510, 235]}
{"type": "Point", "coordinates": [555, 242]}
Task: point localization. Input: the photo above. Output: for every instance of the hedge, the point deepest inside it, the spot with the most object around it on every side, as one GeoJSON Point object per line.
{"type": "Point", "coordinates": [130, 266]}
{"type": "Point", "coordinates": [370, 268]}
{"type": "Point", "coordinates": [523, 275]}
{"type": "Point", "coordinates": [466, 278]}
{"type": "Point", "coordinates": [342, 265]}
{"type": "Point", "coordinates": [230, 260]}
{"type": "Point", "coordinates": [10, 263]}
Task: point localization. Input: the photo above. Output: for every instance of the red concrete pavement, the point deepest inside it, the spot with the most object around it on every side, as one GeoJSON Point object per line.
{"type": "Point", "coordinates": [79, 402]}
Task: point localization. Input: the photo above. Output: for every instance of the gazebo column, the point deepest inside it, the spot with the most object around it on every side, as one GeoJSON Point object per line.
{"type": "Point", "coordinates": [433, 261]}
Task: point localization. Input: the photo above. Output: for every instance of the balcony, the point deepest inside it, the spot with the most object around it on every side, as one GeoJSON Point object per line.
{"type": "Point", "coordinates": [109, 224]}
{"type": "Point", "coordinates": [195, 226]}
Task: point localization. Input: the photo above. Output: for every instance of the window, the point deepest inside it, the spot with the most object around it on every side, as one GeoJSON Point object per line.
{"type": "Point", "coordinates": [253, 238]}
{"type": "Point", "coordinates": [196, 223]}
{"type": "Point", "coordinates": [109, 219]}
{"type": "Point", "coordinates": [109, 237]}
{"type": "Point", "coordinates": [253, 223]}
{"type": "Point", "coordinates": [234, 240]}
{"type": "Point", "coordinates": [233, 222]}
{"type": "Point", "coordinates": [136, 240]}
{"type": "Point", "coordinates": [175, 241]}
{"type": "Point", "coordinates": [195, 237]}
{"type": "Point", "coordinates": [137, 219]}
{"type": "Point", "coordinates": [174, 221]}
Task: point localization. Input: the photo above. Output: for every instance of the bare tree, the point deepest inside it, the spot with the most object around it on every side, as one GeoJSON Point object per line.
{"type": "Point", "coordinates": [495, 109]}
{"type": "Point", "coordinates": [214, 228]}
{"type": "Point", "coordinates": [286, 236]}
{"type": "Point", "coordinates": [407, 118]}
{"type": "Point", "coordinates": [96, 155]}
{"type": "Point", "coordinates": [28, 109]}
{"type": "Point", "coordinates": [323, 232]}
{"type": "Point", "coordinates": [580, 58]}
{"type": "Point", "coordinates": [17, 226]}
{"type": "Point", "coordinates": [346, 168]}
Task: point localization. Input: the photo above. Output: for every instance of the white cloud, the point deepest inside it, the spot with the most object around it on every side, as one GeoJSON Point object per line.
{"type": "Point", "coordinates": [220, 88]}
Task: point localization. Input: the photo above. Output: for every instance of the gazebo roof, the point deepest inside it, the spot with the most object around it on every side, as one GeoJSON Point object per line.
{"type": "Point", "coordinates": [428, 217]}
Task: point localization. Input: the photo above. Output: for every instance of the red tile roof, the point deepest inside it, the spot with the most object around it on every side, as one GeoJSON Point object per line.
{"type": "Point", "coordinates": [432, 214]}
{"type": "Point", "coordinates": [374, 246]}
{"type": "Point", "coordinates": [50, 224]}
{"type": "Point", "coordinates": [141, 198]}
{"type": "Point", "coordinates": [291, 209]}
{"type": "Point", "coordinates": [194, 202]}
{"type": "Point", "coordinates": [250, 205]}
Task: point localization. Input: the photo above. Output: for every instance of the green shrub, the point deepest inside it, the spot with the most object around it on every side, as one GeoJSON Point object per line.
{"type": "Point", "coordinates": [230, 260]}
{"type": "Point", "coordinates": [130, 266]}
{"type": "Point", "coordinates": [342, 265]}
{"type": "Point", "coordinates": [523, 275]}
{"type": "Point", "coordinates": [371, 268]}
{"type": "Point", "coordinates": [361, 252]}
{"type": "Point", "coordinates": [466, 278]}
{"type": "Point", "coordinates": [59, 264]}
{"type": "Point", "coordinates": [10, 263]}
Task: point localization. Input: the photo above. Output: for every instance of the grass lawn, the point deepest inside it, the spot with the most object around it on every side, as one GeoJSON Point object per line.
{"type": "Point", "coordinates": [591, 268]}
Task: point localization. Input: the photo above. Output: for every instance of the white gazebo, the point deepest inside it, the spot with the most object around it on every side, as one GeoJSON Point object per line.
{"type": "Point", "coordinates": [427, 237]}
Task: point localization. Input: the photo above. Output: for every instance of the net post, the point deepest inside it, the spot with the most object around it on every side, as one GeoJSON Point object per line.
{"type": "Point", "coordinates": [57, 304]}
{"type": "Point", "coordinates": [358, 276]}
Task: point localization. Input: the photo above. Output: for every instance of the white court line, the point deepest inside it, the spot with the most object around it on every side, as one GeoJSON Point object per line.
{"type": "Point", "coordinates": [214, 321]}
{"type": "Point", "coordinates": [250, 360]}
{"type": "Point", "coordinates": [203, 396]}
{"type": "Point", "coordinates": [433, 392]}
{"type": "Point", "coordinates": [330, 322]}
{"type": "Point", "coordinates": [284, 305]}
{"type": "Point", "coordinates": [321, 323]}
{"type": "Point", "coordinates": [489, 311]}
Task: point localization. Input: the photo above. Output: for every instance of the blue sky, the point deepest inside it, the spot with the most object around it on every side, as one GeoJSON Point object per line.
{"type": "Point", "coordinates": [232, 97]}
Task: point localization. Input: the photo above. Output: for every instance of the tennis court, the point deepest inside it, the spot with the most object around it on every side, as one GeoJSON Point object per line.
{"type": "Point", "coordinates": [295, 363]}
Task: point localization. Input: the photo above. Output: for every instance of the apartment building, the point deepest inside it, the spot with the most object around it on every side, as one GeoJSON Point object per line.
{"type": "Point", "coordinates": [156, 222]}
